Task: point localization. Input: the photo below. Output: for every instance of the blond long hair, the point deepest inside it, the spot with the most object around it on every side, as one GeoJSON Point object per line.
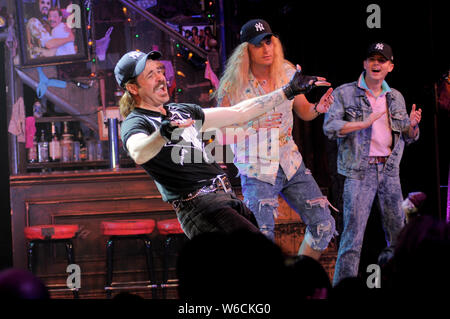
{"type": "Point", "coordinates": [127, 103]}
{"type": "Point", "coordinates": [236, 75]}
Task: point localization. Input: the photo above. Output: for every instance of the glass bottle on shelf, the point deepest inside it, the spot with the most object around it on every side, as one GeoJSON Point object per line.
{"type": "Point", "coordinates": [76, 150]}
{"type": "Point", "coordinates": [32, 151]}
{"type": "Point", "coordinates": [66, 145]}
{"type": "Point", "coordinates": [91, 145]}
{"type": "Point", "coordinates": [55, 146]}
{"type": "Point", "coordinates": [83, 148]}
{"type": "Point", "coordinates": [43, 149]}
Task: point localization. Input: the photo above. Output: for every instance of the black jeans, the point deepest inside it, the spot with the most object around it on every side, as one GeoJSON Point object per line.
{"type": "Point", "coordinates": [215, 212]}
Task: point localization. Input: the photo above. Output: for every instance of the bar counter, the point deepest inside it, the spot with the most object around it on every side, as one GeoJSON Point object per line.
{"type": "Point", "coordinates": [86, 198]}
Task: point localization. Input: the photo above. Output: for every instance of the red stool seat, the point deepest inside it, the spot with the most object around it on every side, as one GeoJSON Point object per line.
{"type": "Point", "coordinates": [169, 227]}
{"type": "Point", "coordinates": [128, 227]}
{"type": "Point", "coordinates": [45, 232]}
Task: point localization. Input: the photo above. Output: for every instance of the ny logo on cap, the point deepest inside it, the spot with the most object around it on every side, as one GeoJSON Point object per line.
{"type": "Point", "coordinates": [135, 54]}
{"type": "Point", "coordinates": [379, 46]}
{"type": "Point", "coordinates": [259, 26]}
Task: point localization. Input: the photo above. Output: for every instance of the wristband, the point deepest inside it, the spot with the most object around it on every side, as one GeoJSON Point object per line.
{"type": "Point", "coordinates": [315, 108]}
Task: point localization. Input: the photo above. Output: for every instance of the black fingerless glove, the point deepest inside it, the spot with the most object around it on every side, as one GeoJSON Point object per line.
{"type": "Point", "coordinates": [166, 130]}
{"type": "Point", "coordinates": [299, 84]}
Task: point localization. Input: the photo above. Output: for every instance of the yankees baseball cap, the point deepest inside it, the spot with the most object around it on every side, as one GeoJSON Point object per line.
{"type": "Point", "coordinates": [132, 64]}
{"type": "Point", "coordinates": [254, 31]}
{"type": "Point", "coordinates": [382, 48]}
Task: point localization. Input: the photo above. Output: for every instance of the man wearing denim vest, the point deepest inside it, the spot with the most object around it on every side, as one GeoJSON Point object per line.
{"type": "Point", "coordinates": [371, 125]}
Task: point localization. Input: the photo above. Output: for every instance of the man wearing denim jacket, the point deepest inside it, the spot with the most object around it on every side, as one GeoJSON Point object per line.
{"type": "Point", "coordinates": [371, 125]}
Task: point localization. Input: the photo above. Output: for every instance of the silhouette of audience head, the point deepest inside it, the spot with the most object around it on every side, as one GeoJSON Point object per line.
{"type": "Point", "coordinates": [420, 263]}
{"type": "Point", "coordinates": [21, 284]}
{"type": "Point", "coordinates": [308, 279]}
{"type": "Point", "coordinates": [230, 266]}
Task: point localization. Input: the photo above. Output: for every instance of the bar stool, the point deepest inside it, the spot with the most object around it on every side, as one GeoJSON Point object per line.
{"type": "Point", "coordinates": [171, 229]}
{"type": "Point", "coordinates": [128, 229]}
{"type": "Point", "coordinates": [45, 234]}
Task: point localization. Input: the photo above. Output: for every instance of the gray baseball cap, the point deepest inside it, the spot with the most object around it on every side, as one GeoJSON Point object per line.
{"type": "Point", "coordinates": [132, 64]}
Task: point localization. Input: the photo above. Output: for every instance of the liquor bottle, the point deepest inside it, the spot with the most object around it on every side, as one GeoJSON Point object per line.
{"type": "Point", "coordinates": [55, 146]}
{"type": "Point", "coordinates": [83, 147]}
{"type": "Point", "coordinates": [32, 152]}
{"type": "Point", "coordinates": [66, 145]}
{"type": "Point", "coordinates": [42, 148]}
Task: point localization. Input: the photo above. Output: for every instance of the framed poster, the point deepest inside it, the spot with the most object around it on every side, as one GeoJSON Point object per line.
{"type": "Point", "coordinates": [52, 32]}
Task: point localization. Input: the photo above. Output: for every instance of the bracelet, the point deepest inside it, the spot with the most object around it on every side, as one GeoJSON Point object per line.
{"type": "Point", "coordinates": [315, 108]}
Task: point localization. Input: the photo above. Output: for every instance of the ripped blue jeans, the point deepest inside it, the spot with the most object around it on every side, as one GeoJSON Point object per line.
{"type": "Point", "coordinates": [302, 194]}
{"type": "Point", "coordinates": [358, 197]}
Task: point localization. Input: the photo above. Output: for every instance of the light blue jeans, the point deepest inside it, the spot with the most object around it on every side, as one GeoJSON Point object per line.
{"type": "Point", "coordinates": [302, 194]}
{"type": "Point", "coordinates": [358, 197]}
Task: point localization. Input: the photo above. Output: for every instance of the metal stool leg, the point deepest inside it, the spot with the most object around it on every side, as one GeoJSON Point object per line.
{"type": "Point", "coordinates": [30, 254]}
{"type": "Point", "coordinates": [150, 268]}
{"type": "Point", "coordinates": [166, 265]}
{"type": "Point", "coordinates": [109, 266]}
{"type": "Point", "coordinates": [71, 260]}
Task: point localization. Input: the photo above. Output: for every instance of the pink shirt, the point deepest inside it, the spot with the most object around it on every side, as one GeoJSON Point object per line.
{"type": "Point", "coordinates": [380, 144]}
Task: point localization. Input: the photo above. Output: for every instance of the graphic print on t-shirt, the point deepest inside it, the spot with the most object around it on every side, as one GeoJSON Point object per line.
{"type": "Point", "coordinates": [184, 150]}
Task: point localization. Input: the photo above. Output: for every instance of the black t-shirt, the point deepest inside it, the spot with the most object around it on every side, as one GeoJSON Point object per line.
{"type": "Point", "coordinates": [180, 167]}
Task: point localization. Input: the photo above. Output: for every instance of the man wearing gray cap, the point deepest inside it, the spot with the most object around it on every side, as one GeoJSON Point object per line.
{"type": "Point", "coordinates": [370, 123]}
{"type": "Point", "coordinates": [165, 140]}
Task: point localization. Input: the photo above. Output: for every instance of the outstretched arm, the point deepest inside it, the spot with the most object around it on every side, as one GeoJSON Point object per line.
{"type": "Point", "coordinates": [143, 147]}
{"type": "Point", "coordinates": [246, 110]}
{"type": "Point", "coordinates": [309, 111]}
{"type": "Point", "coordinates": [243, 111]}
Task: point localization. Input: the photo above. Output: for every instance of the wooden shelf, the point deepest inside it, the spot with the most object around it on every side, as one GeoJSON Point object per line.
{"type": "Point", "coordinates": [65, 118]}
{"type": "Point", "coordinates": [78, 165]}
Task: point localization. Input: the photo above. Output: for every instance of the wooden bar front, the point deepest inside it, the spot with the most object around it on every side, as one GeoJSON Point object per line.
{"type": "Point", "coordinates": [85, 198]}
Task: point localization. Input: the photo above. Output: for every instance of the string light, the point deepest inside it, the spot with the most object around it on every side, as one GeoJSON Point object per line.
{"type": "Point", "coordinates": [181, 74]}
{"type": "Point", "coordinates": [190, 55]}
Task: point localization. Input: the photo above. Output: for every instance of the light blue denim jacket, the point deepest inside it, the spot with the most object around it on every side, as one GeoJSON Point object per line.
{"type": "Point", "coordinates": [351, 105]}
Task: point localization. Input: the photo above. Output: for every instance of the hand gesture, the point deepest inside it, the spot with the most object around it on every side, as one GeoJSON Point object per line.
{"type": "Point", "coordinates": [325, 101]}
{"type": "Point", "coordinates": [301, 84]}
{"type": "Point", "coordinates": [182, 124]}
{"type": "Point", "coordinates": [415, 116]}
{"type": "Point", "coordinates": [373, 117]}
{"type": "Point", "coordinates": [270, 121]}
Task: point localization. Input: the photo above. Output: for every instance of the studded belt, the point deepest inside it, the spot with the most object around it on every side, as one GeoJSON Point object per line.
{"type": "Point", "coordinates": [219, 183]}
